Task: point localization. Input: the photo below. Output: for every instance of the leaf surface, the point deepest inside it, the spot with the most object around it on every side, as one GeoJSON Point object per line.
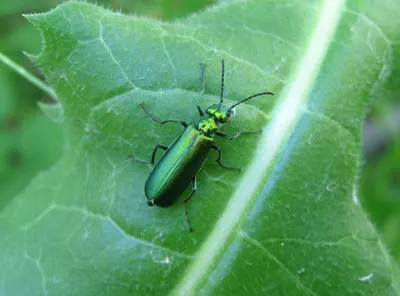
{"type": "Point", "coordinates": [289, 224]}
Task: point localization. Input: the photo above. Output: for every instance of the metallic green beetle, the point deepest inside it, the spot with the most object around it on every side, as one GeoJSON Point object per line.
{"type": "Point", "coordinates": [182, 160]}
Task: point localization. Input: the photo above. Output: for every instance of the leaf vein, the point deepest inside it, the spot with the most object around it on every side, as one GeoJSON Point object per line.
{"type": "Point", "coordinates": [314, 243]}
{"type": "Point", "coordinates": [119, 228]}
{"type": "Point", "coordinates": [330, 119]}
{"type": "Point", "coordinates": [169, 58]}
{"type": "Point", "coordinates": [121, 96]}
{"type": "Point", "coordinates": [113, 57]}
{"type": "Point", "coordinates": [277, 261]}
{"type": "Point", "coordinates": [225, 53]}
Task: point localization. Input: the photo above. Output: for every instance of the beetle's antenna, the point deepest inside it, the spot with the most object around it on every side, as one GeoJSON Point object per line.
{"type": "Point", "coordinates": [222, 81]}
{"type": "Point", "coordinates": [246, 99]}
{"type": "Point", "coordinates": [203, 86]}
{"type": "Point", "coordinates": [203, 77]}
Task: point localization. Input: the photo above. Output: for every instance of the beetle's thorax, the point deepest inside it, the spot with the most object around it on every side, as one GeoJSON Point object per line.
{"type": "Point", "coordinates": [207, 125]}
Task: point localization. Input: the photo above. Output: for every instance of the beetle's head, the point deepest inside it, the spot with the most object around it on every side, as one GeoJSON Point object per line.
{"type": "Point", "coordinates": [150, 203]}
{"type": "Point", "coordinates": [220, 112]}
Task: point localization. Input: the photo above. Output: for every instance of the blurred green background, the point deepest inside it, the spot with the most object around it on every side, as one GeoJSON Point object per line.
{"type": "Point", "coordinates": [31, 142]}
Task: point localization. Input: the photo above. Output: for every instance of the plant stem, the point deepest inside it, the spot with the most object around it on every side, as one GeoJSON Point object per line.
{"type": "Point", "coordinates": [28, 76]}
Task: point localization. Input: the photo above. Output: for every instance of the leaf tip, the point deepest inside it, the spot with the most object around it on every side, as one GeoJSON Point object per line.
{"type": "Point", "coordinates": [53, 111]}
{"type": "Point", "coordinates": [36, 19]}
{"type": "Point", "coordinates": [32, 57]}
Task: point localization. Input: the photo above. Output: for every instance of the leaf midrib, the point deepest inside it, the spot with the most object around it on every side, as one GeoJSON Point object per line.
{"type": "Point", "coordinates": [291, 104]}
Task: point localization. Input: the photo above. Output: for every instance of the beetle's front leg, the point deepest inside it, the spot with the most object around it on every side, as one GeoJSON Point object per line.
{"type": "Point", "coordinates": [216, 148]}
{"type": "Point", "coordinates": [229, 137]}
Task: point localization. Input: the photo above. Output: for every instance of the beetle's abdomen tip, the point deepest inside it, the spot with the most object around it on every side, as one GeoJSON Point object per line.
{"type": "Point", "coordinates": [150, 203]}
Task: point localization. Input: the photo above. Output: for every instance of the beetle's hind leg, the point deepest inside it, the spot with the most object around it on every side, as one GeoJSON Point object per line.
{"type": "Point", "coordinates": [153, 155]}
{"type": "Point", "coordinates": [194, 188]}
{"type": "Point", "coordinates": [131, 157]}
{"type": "Point", "coordinates": [216, 148]}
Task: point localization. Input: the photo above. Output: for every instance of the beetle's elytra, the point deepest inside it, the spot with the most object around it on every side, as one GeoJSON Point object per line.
{"type": "Point", "coordinates": [181, 161]}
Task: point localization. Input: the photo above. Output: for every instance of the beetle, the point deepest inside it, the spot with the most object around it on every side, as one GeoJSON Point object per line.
{"type": "Point", "coordinates": [181, 161]}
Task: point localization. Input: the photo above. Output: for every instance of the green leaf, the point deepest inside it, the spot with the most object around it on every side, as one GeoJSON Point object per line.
{"type": "Point", "coordinates": [29, 142]}
{"type": "Point", "coordinates": [289, 224]}
{"type": "Point", "coordinates": [33, 144]}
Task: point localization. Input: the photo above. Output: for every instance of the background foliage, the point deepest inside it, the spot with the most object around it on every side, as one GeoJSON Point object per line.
{"type": "Point", "coordinates": [30, 142]}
